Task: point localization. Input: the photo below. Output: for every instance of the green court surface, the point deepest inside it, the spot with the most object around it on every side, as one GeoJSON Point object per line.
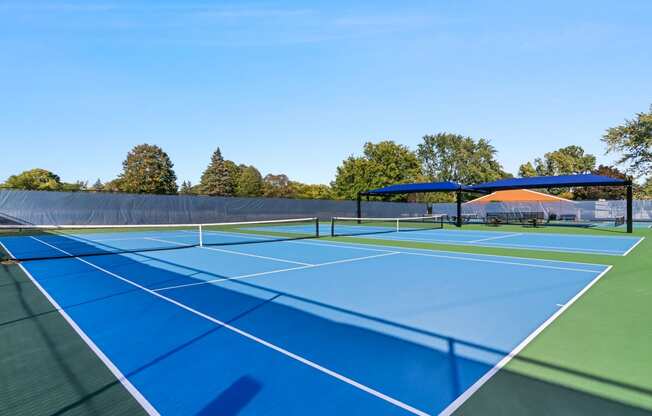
{"type": "Point", "coordinates": [51, 370]}
{"type": "Point", "coordinates": [594, 359]}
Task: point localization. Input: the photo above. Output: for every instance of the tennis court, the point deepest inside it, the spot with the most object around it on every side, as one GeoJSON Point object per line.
{"type": "Point", "coordinates": [296, 326]}
{"type": "Point", "coordinates": [569, 243]}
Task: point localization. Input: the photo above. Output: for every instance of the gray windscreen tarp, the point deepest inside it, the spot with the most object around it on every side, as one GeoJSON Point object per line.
{"type": "Point", "coordinates": [579, 210]}
{"type": "Point", "coordinates": [87, 208]}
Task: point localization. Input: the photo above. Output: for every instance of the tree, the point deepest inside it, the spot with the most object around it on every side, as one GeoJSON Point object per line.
{"type": "Point", "coordinates": [526, 170]}
{"type": "Point", "coordinates": [97, 186]}
{"type": "Point", "coordinates": [594, 193]}
{"type": "Point", "coordinates": [310, 191]}
{"type": "Point", "coordinates": [186, 188]}
{"type": "Point", "coordinates": [384, 163]}
{"type": "Point", "coordinates": [148, 169]}
{"type": "Point", "coordinates": [113, 186]}
{"type": "Point", "coordinates": [74, 187]}
{"type": "Point", "coordinates": [568, 160]}
{"type": "Point", "coordinates": [644, 191]}
{"type": "Point", "coordinates": [452, 157]}
{"type": "Point", "coordinates": [34, 179]}
{"type": "Point", "coordinates": [250, 182]}
{"type": "Point", "coordinates": [234, 173]}
{"type": "Point", "coordinates": [216, 179]}
{"type": "Point", "coordinates": [276, 186]}
{"type": "Point", "coordinates": [633, 140]}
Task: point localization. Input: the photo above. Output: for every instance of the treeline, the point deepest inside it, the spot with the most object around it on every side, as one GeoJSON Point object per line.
{"type": "Point", "coordinates": [148, 169]}
{"type": "Point", "coordinates": [439, 157]}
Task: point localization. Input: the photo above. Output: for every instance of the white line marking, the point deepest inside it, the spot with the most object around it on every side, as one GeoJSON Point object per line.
{"type": "Point", "coordinates": [260, 341]}
{"type": "Point", "coordinates": [560, 305]}
{"type": "Point", "coordinates": [634, 246]}
{"type": "Point", "coordinates": [502, 363]}
{"type": "Point", "coordinates": [457, 256]}
{"type": "Point", "coordinates": [496, 237]}
{"type": "Point", "coordinates": [245, 276]}
{"type": "Point", "coordinates": [363, 246]}
{"type": "Point", "coordinates": [147, 406]}
{"type": "Point", "coordinates": [134, 238]}
{"type": "Point", "coordinates": [500, 245]}
{"type": "Point", "coordinates": [613, 237]}
{"type": "Point", "coordinates": [235, 252]}
{"type": "Point", "coordinates": [540, 266]}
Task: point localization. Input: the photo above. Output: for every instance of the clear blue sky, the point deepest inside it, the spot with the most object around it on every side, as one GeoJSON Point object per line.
{"type": "Point", "coordinates": [295, 87]}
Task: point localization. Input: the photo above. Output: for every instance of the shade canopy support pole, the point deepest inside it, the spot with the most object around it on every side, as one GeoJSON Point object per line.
{"type": "Point", "coordinates": [458, 222]}
{"type": "Point", "coordinates": [359, 207]}
{"type": "Point", "coordinates": [630, 203]}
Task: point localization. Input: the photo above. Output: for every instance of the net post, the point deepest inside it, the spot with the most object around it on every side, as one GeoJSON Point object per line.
{"type": "Point", "coordinates": [332, 226]}
{"type": "Point", "coordinates": [317, 227]}
{"type": "Point", "coordinates": [398, 228]}
{"type": "Point", "coordinates": [201, 236]}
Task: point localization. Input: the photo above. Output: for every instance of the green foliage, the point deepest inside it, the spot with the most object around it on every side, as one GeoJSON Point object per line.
{"type": "Point", "coordinates": [452, 157]}
{"type": "Point", "coordinates": [309, 191]}
{"type": "Point", "coordinates": [593, 193]}
{"type": "Point", "coordinates": [249, 182]}
{"type": "Point", "coordinates": [147, 169]}
{"type": "Point", "coordinates": [216, 179]}
{"type": "Point", "coordinates": [568, 160]}
{"type": "Point", "coordinates": [234, 173]}
{"type": "Point", "coordinates": [34, 179]}
{"type": "Point", "coordinates": [526, 170]}
{"type": "Point", "coordinates": [633, 140]}
{"type": "Point", "coordinates": [113, 186]}
{"type": "Point", "coordinates": [644, 191]}
{"type": "Point", "coordinates": [97, 186]}
{"type": "Point", "coordinates": [186, 188]}
{"type": "Point", "coordinates": [384, 163]}
{"type": "Point", "coordinates": [276, 186]}
{"type": "Point", "coordinates": [74, 187]}
{"type": "Point", "coordinates": [42, 180]}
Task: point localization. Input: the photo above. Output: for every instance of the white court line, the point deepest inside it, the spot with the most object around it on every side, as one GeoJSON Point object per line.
{"type": "Point", "coordinates": [246, 276]}
{"type": "Point", "coordinates": [613, 237]}
{"type": "Point", "coordinates": [335, 243]}
{"type": "Point", "coordinates": [254, 338]}
{"type": "Point", "coordinates": [102, 240]}
{"type": "Point", "coordinates": [452, 254]}
{"type": "Point", "coordinates": [137, 395]}
{"type": "Point", "coordinates": [496, 237]}
{"type": "Point", "coordinates": [634, 246]}
{"type": "Point", "coordinates": [512, 263]}
{"type": "Point", "coordinates": [235, 252]}
{"type": "Point", "coordinates": [500, 245]}
{"type": "Point", "coordinates": [451, 408]}
{"type": "Point", "coordinates": [484, 233]}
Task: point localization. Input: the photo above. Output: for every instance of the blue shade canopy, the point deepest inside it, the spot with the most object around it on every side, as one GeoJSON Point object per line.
{"type": "Point", "coordinates": [550, 182]}
{"type": "Point", "coordinates": [411, 188]}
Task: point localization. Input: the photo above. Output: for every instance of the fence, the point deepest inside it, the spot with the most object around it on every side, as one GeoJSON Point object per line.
{"type": "Point", "coordinates": [77, 208]}
{"type": "Point", "coordinates": [578, 210]}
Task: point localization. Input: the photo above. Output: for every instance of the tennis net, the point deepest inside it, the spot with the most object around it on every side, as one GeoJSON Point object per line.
{"type": "Point", "coordinates": [343, 226]}
{"type": "Point", "coordinates": [39, 242]}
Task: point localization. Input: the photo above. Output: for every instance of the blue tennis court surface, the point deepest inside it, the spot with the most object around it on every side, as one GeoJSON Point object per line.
{"type": "Point", "coordinates": [571, 243]}
{"type": "Point", "coordinates": [304, 327]}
